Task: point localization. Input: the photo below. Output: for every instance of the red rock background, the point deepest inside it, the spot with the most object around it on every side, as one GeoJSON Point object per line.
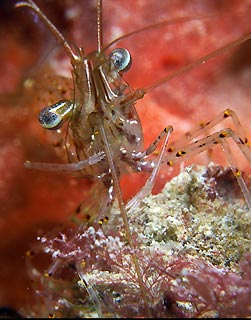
{"type": "Point", "coordinates": [37, 201]}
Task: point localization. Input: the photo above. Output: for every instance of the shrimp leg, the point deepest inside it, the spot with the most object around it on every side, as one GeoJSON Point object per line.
{"type": "Point", "coordinates": [66, 167]}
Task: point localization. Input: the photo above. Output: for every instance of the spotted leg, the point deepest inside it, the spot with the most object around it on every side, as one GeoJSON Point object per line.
{"type": "Point", "coordinates": [220, 137]}
{"type": "Point", "coordinates": [147, 188]}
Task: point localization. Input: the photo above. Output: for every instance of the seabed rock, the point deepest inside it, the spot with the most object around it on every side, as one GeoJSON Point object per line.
{"type": "Point", "coordinates": [192, 242]}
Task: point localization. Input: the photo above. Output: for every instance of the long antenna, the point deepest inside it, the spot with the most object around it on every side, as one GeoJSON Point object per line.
{"type": "Point", "coordinates": [194, 64]}
{"type": "Point", "coordinates": [99, 25]}
{"type": "Point", "coordinates": [158, 25]}
{"type": "Point", "coordinates": [50, 25]}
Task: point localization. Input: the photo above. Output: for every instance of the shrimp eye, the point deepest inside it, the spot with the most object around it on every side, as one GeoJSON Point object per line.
{"type": "Point", "coordinates": [53, 117]}
{"type": "Point", "coordinates": [121, 59]}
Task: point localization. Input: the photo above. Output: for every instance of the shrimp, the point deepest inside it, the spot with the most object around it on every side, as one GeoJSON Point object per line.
{"type": "Point", "coordinates": [103, 105]}
{"type": "Point", "coordinates": [101, 130]}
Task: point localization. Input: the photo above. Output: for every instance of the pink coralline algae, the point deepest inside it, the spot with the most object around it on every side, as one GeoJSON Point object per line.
{"type": "Point", "coordinates": [194, 256]}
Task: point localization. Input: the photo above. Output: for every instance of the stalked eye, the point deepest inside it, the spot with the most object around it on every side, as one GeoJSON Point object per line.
{"type": "Point", "coordinates": [53, 117]}
{"type": "Point", "coordinates": [121, 59]}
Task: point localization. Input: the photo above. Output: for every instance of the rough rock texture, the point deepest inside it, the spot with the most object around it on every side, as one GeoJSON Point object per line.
{"type": "Point", "coordinates": [192, 242]}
